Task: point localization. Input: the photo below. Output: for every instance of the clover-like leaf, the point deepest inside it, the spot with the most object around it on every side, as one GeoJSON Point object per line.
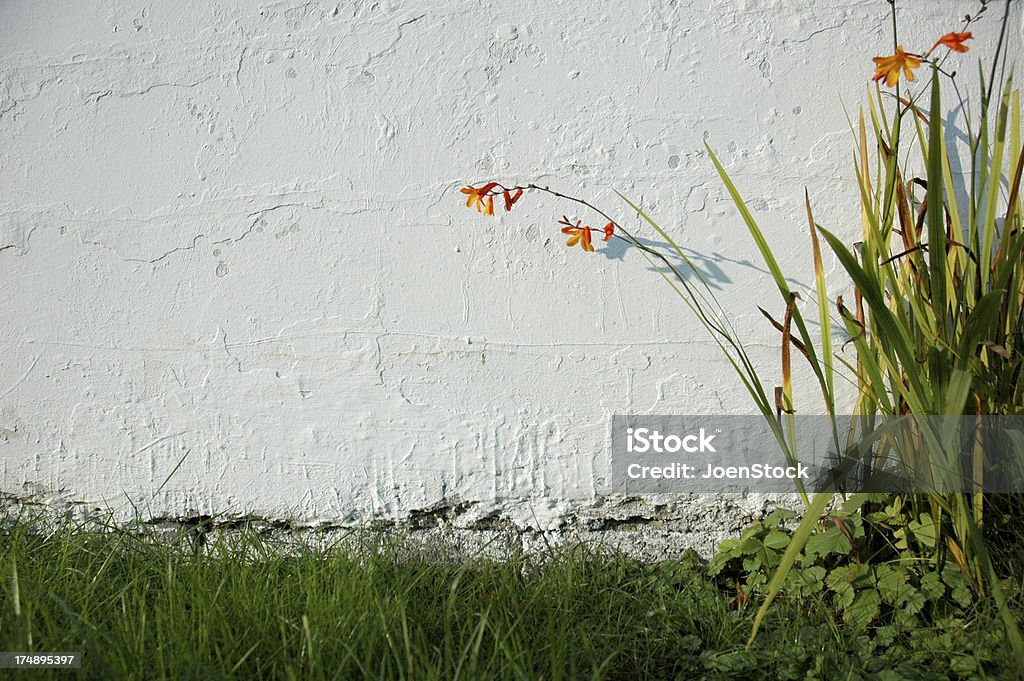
{"type": "Point", "coordinates": [924, 530]}
{"type": "Point", "coordinates": [824, 543]}
{"type": "Point", "coordinates": [854, 503]}
{"type": "Point", "coordinates": [777, 516]}
{"type": "Point", "coordinates": [932, 586]}
{"type": "Point", "coordinates": [913, 601]}
{"type": "Point", "coordinates": [891, 583]}
{"type": "Point", "coordinates": [864, 608]}
{"type": "Point", "coordinates": [806, 581]}
{"type": "Point", "coordinates": [776, 539]}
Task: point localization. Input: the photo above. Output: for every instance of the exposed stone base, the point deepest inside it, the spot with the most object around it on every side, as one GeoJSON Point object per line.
{"type": "Point", "coordinates": [646, 529]}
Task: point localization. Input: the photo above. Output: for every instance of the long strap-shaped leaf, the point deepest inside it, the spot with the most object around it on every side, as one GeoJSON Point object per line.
{"type": "Point", "coordinates": [796, 544]}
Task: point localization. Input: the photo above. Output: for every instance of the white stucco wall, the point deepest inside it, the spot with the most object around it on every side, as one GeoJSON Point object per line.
{"type": "Point", "coordinates": [234, 229]}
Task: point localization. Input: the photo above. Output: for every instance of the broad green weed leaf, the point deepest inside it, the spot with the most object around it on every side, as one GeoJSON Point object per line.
{"type": "Point", "coordinates": [776, 540]}
{"type": "Point", "coordinates": [864, 608]}
{"type": "Point", "coordinates": [825, 543]}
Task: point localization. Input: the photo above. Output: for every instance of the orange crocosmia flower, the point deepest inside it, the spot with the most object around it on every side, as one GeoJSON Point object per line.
{"type": "Point", "coordinates": [475, 197]}
{"type": "Point", "coordinates": [510, 199]}
{"type": "Point", "coordinates": [890, 67]}
{"type": "Point", "coordinates": [579, 235]}
{"type": "Point", "coordinates": [954, 41]}
{"type": "Point", "coordinates": [609, 231]}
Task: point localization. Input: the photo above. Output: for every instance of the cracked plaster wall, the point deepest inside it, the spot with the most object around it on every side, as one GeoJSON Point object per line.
{"type": "Point", "coordinates": [233, 229]}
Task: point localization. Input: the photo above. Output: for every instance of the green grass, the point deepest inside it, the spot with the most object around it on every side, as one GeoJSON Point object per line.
{"type": "Point", "coordinates": [248, 607]}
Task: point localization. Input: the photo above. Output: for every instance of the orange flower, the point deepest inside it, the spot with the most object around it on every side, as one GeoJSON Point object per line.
{"type": "Point", "coordinates": [954, 41]}
{"type": "Point", "coordinates": [609, 231]}
{"type": "Point", "coordinates": [578, 235]}
{"type": "Point", "coordinates": [890, 67]}
{"type": "Point", "coordinates": [510, 199]}
{"type": "Point", "coordinates": [475, 197]}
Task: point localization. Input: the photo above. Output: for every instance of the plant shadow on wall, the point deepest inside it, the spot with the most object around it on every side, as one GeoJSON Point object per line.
{"type": "Point", "coordinates": [936, 321]}
{"type": "Point", "coordinates": [705, 267]}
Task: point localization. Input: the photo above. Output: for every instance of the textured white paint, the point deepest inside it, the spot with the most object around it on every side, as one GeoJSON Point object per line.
{"type": "Point", "coordinates": [234, 229]}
